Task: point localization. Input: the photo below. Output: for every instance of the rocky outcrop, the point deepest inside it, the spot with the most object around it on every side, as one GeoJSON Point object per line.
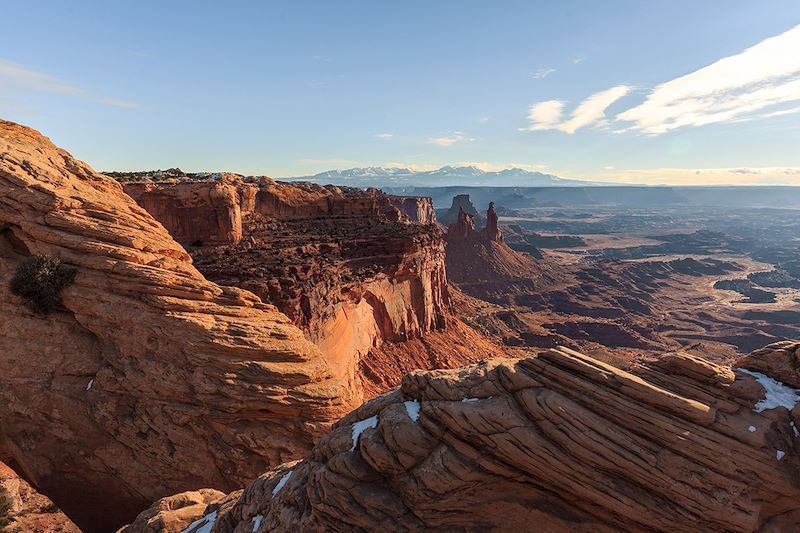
{"type": "Point", "coordinates": [418, 209]}
{"type": "Point", "coordinates": [491, 232]}
{"type": "Point", "coordinates": [206, 212]}
{"type": "Point", "coordinates": [481, 264]}
{"type": "Point", "coordinates": [148, 379]}
{"type": "Point", "coordinates": [23, 510]}
{"type": "Point", "coordinates": [351, 268]}
{"type": "Point", "coordinates": [560, 440]}
{"type": "Point", "coordinates": [208, 209]}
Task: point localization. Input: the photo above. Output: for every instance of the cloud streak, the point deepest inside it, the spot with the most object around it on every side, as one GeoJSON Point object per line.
{"type": "Point", "coordinates": [542, 73]}
{"type": "Point", "coordinates": [735, 87]}
{"type": "Point", "coordinates": [591, 112]}
{"type": "Point", "coordinates": [19, 77]}
{"type": "Point", "coordinates": [449, 140]}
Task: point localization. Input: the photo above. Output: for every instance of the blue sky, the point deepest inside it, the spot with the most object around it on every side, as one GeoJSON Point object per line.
{"type": "Point", "coordinates": [598, 90]}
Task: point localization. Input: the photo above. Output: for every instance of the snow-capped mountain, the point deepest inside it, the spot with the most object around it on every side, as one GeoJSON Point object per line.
{"type": "Point", "coordinates": [443, 177]}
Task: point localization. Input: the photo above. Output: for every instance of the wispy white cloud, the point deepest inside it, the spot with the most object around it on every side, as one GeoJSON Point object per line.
{"type": "Point", "coordinates": [592, 111]}
{"type": "Point", "coordinates": [21, 77]}
{"type": "Point", "coordinates": [484, 120]}
{"type": "Point", "coordinates": [701, 176]}
{"type": "Point", "coordinates": [733, 88]}
{"type": "Point", "coordinates": [18, 77]}
{"type": "Point", "coordinates": [578, 59]}
{"type": "Point", "coordinates": [385, 136]}
{"type": "Point", "coordinates": [542, 73]}
{"type": "Point", "coordinates": [118, 103]}
{"type": "Point", "coordinates": [449, 139]}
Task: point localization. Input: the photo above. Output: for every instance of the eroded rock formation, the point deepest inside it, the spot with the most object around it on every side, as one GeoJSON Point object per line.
{"type": "Point", "coordinates": [481, 263]}
{"type": "Point", "coordinates": [148, 379]}
{"type": "Point", "coordinates": [560, 440]}
{"type": "Point", "coordinates": [352, 268]}
{"type": "Point", "coordinates": [461, 202]}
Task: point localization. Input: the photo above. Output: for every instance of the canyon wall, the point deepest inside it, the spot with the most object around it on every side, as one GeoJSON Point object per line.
{"type": "Point", "coordinates": [146, 379]}
{"type": "Point", "coordinates": [559, 440]}
{"type": "Point", "coordinates": [352, 268]}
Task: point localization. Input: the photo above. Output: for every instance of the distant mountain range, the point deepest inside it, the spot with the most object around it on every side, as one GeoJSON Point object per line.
{"type": "Point", "coordinates": [443, 177]}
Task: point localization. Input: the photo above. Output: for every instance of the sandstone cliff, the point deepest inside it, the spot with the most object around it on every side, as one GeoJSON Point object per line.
{"type": "Point", "coordinates": [148, 379]}
{"type": "Point", "coordinates": [560, 440]}
{"type": "Point", "coordinates": [352, 268]}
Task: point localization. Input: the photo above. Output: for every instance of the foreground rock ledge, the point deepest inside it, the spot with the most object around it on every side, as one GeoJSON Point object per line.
{"type": "Point", "coordinates": [150, 379]}
{"type": "Point", "coordinates": [561, 440]}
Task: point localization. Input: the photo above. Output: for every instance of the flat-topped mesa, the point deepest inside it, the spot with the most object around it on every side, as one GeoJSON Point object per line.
{"type": "Point", "coordinates": [561, 440]}
{"type": "Point", "coordinates": [461, 202]}
{"type": "Point", "coordinates": [145, 379]}
{"type": "Point", "coordinates": [208, 209]}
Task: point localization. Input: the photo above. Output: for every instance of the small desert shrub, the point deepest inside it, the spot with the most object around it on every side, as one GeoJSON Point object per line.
{"type": "Point", "coordinates": [39, 280]}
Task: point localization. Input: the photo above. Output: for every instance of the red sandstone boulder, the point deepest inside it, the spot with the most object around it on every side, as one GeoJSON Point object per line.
{"type": "Point", "coordinates": [147, 379]}
{"type": "Point", "coordinates": [555, 443]}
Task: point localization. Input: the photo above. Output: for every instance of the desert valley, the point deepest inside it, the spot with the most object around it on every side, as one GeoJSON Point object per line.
{"type": "Point", "coordinates": [378, 267]}
{"type": "Point", "coordinates": [233, 353]}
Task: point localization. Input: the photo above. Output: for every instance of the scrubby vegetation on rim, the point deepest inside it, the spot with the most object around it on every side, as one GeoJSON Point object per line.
{"type": "Point", "coordinates": [5, 508]}
{"type": "Point", "coordinates": [39, 280]}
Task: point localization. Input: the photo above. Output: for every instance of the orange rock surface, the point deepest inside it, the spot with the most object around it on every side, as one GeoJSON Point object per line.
{"type": "Point", "coordinates": [148, 379]}
{"type": "Point", "coordinates": [27, 511]}
{"type": "Point", "coordinates": [559, 442]}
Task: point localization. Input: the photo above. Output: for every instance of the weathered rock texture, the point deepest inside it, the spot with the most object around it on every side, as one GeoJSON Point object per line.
{"type": "Point", "coordinates": [461, 202]}
{"type": "Point", "coordinates": [561, 441]}
{"type": "Point", "coordinates": [149, 379]}
{"type": "Point", "coordinates": [27, 511]}
{"type": "Point", "coordinates": [481, 263]}
{"type": "Point", "coordinates": [352, 268]}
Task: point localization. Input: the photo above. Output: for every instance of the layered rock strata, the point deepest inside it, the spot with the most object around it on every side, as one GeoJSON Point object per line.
{"type": "Point", "coordinates": [148, 379]}
{"type": "Point", "coordinates": [352, 268]}
{"type": "Point", "coordinates": [560, 440]}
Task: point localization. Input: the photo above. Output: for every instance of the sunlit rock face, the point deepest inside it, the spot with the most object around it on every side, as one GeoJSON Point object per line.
{"type": "Point", "coordinates": [147, 379]}
{"type": "Point", "coordinates": [559, 439]}
{"type": "Point", "coordinates": [352, 268]}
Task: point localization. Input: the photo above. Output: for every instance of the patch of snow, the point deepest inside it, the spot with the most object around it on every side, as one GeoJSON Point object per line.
{"type": "Point", "coordinates": [412, 408]}
{"type": "Point", "coordinates": [89, 385]}
{"type": "Point", "coordinates": [751, 429]}
{"type": "Point", "coordinates": [794, 429]}
{"type": "Point", "coordinates": [470, 400]}
{"type": "Point", "coordinates": [779, 454]}
{"type": "Point", "coordinates": [257, 522]}
{"type": "Point", "coordinates": [281, 482]}
{"type": "Point", "coordinates": [359, 428]}
{"type": "Point", "coordinates": [204, 524]}
{"type": "Point", "coordinates": [776, 394]}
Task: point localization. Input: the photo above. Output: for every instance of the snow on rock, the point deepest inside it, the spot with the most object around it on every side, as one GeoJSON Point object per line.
{"type": "Point", "coordinates": [469, 400]}
{"type": "Point", "coordinates": [776, 394]}
{"type": "Point", "coordinates": [751, 429]}
{"type": "Point", "coordinates": [779, 454]}
{"type": "Point", "coordinates": [257, 522]}
{"type": "Point", "coordinates": [281, 482]}
{"type": "Point", "coordinates": [204, 524]}
{"type": "Point", "coordinates": [360, 426]}
{"type": "Point", "coordinates": [794, 430]}
{"type": "Point", "coordinates": [89, 385]}
{"type": "Point", "coordinates": [412, 408]}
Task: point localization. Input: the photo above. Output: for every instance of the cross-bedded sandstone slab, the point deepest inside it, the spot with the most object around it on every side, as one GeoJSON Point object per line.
{"type": "Point", "coordinates": [560, 440]}
{"type": "Point", "coordinates": [148, 379]}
